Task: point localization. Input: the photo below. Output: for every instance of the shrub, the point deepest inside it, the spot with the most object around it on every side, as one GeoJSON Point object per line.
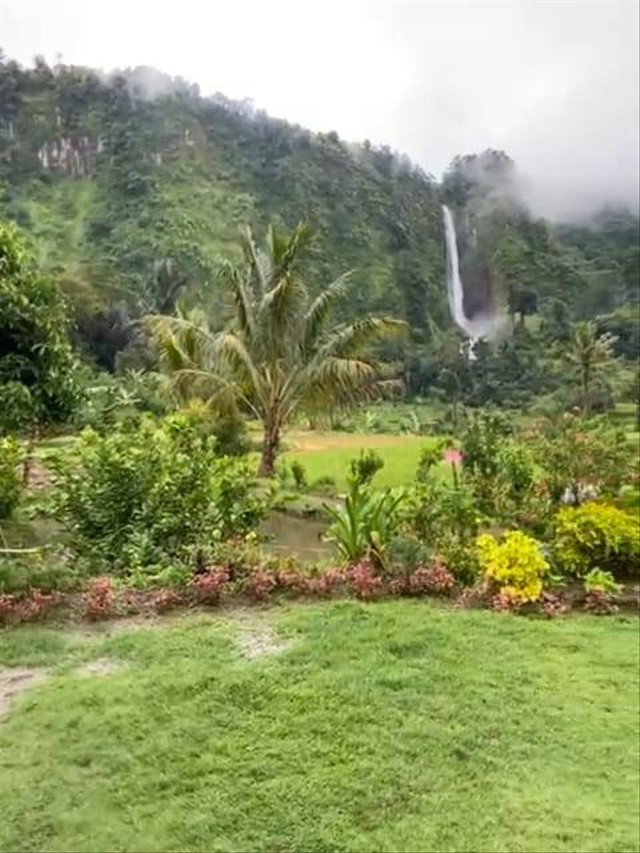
{"type": "Point", "coordinates": [260, 583]}
{"type": "Point", "coordinates": [442, 509]}
{"type": "Point", "coordinates": [596, 535]}
{"type": "Point", "coordinates": [600, 603]}
{"type": "Point", "coordinates": [147, 494]}
{"type": "Point", "coordinates": [516, 470]}
{"type": "Point", "coordinates": [598, 581]}
{"type": "Point", "coordinates": [364, 582]}
{"type": "Point", "coordinates": [47, 570]}
{"type": "Point", "coordinates": [366, 466]}
{"type": "Point", "coordinates": [26, 607]}
{"type": "Point", "coordinates": [10, 478]}
{"type": "Point", "coordinates": [446, 517]}
{"type": "Point", "coordinates": [299, 474]}
{"type": "Point", "coordinates": [324, 584]}
{"type": "Point", "coordinates": [430, 458]}
{"type": "Point", "coordinates": [579, 455]}
{"type": "Point", "coordinates": [601, 592]}
{"type": "Point", "coordinates": [552, 605]}
{"type": "Point", "coordinates": [435, 579]}
{"type": "Point", "coordinates": [515, 565]}
{"type": "Point", "coordinates": [229, 430]}
{"type": "Point", "coordinates": [481, 441]}
{"type": "Point", "coordinates": [230, 433]}
{"type": "Point", "coordinates": [325, 484]}
{"type": "Point", "coordinates": [165, 599]}
{"type": "Point", "coordinates": [207, 587]}
{"type": "Point", "coordinates": [239, 556]}
{"type": "Point", "coordinates": [405, 553]}
{"type": "Point", "coordinates": [99, 600]}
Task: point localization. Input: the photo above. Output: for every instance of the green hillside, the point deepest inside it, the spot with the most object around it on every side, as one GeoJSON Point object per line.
{"type": "Point", "coordinates": [132, 187]}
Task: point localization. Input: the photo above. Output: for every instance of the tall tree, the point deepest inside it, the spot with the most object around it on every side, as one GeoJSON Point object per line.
{"type": "Point", "coordinates": [590, 354]}
{"type": "Point", "coordinates": [37, 363]}
{"type": "Point", "coordinates": [278, 356]}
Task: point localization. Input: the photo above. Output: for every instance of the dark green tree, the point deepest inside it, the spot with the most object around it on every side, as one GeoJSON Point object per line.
{"type": "Point", "coordinates": [37, 364]}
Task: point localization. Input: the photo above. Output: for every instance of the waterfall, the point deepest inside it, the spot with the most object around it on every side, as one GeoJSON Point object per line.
{"type": "Point", "coordinates": [481, 325]}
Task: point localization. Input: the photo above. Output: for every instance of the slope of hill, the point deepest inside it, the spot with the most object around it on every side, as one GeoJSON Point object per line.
{"type": "Point", "coordinates": [132, 186]}
{"type": "Point", "coordinates": [109, 182]}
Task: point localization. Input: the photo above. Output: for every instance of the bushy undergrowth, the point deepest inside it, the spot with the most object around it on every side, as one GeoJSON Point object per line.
{"type": "Point", "coordinates": [596, 536]}
{"type": "Point", "coordinates": [155, 511]}
{"type": "Point", "coordinates": [513, 565]}
{"type": "Point", "coordinates": [10, 480]}
{"type": "Point", "coordinates": [149, 494]}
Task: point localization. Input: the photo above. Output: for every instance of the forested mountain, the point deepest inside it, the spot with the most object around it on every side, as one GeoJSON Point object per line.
{"type": "Point", "coordinates": [132, 186]}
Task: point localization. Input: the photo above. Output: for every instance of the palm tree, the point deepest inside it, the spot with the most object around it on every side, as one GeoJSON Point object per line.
{"type": "Point", "coordinates": [590, 353]}
{"type": "Point", "coordinates": [277, 357]}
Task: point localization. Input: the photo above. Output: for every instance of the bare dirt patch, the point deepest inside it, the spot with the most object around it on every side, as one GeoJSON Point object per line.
{"type": "Point", "coordinates": [16, 680]}
{"type": "Point", "coordinates": [254, 634]}
{"type": "Point", "coordinates": [318, 441]}
{"type": "Point", "coordinates": [101, 667]}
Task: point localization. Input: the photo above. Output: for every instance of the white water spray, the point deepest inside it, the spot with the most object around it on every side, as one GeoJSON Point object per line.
{"type": "Point", "coordinates": [481, 325]}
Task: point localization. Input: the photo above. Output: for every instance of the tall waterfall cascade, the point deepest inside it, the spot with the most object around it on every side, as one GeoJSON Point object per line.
{"type": "Point", "coordinates": [481, 325]}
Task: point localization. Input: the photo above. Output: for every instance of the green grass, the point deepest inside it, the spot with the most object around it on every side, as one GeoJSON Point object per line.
{"type": "Point", "coordinates": [395, 726]}
{"type": "Point", "coordinates": [330, 454]}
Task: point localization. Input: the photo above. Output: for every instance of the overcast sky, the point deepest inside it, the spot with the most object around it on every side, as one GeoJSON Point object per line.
{"type": "Point", "coordinates": [553, 82]}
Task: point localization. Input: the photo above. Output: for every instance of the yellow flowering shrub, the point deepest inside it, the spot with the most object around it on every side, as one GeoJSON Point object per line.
{"type": "Point", "coordinates": [596, 535]}
{"type": "Point", "coordinates": [515, 564]}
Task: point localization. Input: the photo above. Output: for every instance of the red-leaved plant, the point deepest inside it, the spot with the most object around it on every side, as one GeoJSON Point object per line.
{"type": "Point", "coordinates": [600, 603]}
{"type": "Point", "coordinates": [505, 603]}
{"type": "Point", "coordinates": [552, 605]}
{"type": "Point", "coordinates": [165, 599]}
{"type": "Point", "coordinates": [25, 608]}
{"type": "Point", "coordinates": [364, 582]}
{"type": "Point", "coordinates": [435, 579]}
{"type": "Point", "coordinates": [260, 583]}
{"type": "Point", "coordinates": [99, 600]}
{"type": "Point", "coordinates": [207, 587]}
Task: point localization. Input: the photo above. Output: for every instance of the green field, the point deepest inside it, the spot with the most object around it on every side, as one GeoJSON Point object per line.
{"type": "Point", "coordinates": [330, 453]}
{"type": "Point", "coordinates": [387, 727]}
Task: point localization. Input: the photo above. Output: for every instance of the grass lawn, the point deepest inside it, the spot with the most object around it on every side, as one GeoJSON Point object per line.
{"type": "Point", "coordinates": [331, 452]}
{"type": "Point", "coordinates": [394, 726]}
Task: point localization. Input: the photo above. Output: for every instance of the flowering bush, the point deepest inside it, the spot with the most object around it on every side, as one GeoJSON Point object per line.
{"type": "Point", "coordinates": [596, 535]}
{"type": "Point", "coordinates": [514, 565]}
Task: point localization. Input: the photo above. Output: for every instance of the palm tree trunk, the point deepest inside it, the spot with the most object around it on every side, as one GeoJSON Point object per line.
{"type": "Point", "coordinates": [270, 446]}
{"type": "Point", "coordinates": [585, 391]}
